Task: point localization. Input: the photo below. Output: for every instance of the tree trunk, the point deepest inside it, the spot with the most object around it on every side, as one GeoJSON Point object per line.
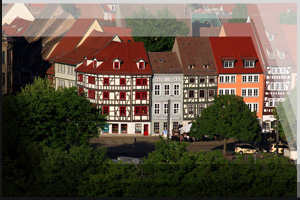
{"type": "Point", "coordinates": [225, 147]}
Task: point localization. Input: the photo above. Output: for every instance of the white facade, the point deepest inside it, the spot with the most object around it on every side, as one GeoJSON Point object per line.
{"type": "Point", "coordinates": [165, 87]}
{"type": "Point", "coordinates": [65, 75]}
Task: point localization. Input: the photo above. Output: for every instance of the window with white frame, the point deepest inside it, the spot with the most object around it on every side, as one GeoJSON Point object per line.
{"type": "Point", "coordinates": [227, 78]}
{"type": "Point", "coordinates": [176, 90]}
{"type": "Point", "coordinates": [165, 108]}
{"type": "Point", "coordinates": [281, 55]}
{"type": "Point", "coordinates": [250, 78]}
{"type": "Point", "coordinates": [272, 86]}
{"type": "Point", "coordinates": [165, 126]}
{"type": "Point", "coordinates": [191, 109]}
{"type": "Point", "coordinates": [175, 126]}
{"type": "Point", "coordinates": [156, 127]}
{"type": "Point", "coordinates": [271, 37]}
{"type": "Point", "coordinates": [275, 101]}
{"type": "Point", "coordinates": [228, 91]}
{"type": "Point", "coordinates": [272, 55]}
{"type": "Point", "coordinates": [228, 64]}
{"type": "Point", "coordinates": [282, 86]}
{"type": "Point", "coordinates": [156, 108]}
{"type": "Point", "coordinates": [167, 90]}
{"type": "Point", "coordinates": [250, 92]}
{"type": "Point", "coordinates": [201, 108]}
{"type": "Point", "coordinates": [249, 64]}
{"type": "Point", "coordinates": [176, 108]}
{"type": "Point", "coordinates": [253, 107]}
{"type": "Point", "coordinates": [156, 90]}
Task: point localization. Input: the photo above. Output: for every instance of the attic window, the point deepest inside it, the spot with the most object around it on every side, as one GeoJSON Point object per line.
{"type": "Point", "coordinates": [272, 55]}
{"type": "Point", "coordinates": [271, 37]}
{"type": "Point", "coordinates": [161, 60]}
{"type": "Point", "coordinates": [191, 66]}
{"type": "Point", "coordinates": [281, 55]}
{"type": "Point", "coordinates": [228, 64]}
{"type": "Point", "coordinates": [116, 65]}
{"type": "Point", "coordinates": [141, 65]}
{"type": "Point", "coordinates": [249, 64]}
{"type": "Point", "coordinates": [206, 66]}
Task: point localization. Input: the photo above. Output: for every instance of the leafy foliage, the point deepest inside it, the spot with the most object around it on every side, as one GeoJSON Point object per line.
{"type": "Point", "coordinates": [288, 18]}
{"type": "Point", "coordinates": [228, 117]}
{"type": "Point", "coordinates": [239, 14]}
{"type": "Point", "coordinates": [57, 118]}
{"type": "Point", "coordinates": [72, 9]}
{"type": "Point", "coordinates": [285, 112]}
{"type": "Point", "coordinates": [162, 37]}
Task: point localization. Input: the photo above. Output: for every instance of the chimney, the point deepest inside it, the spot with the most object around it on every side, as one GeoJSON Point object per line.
{"type": "Point", "coordinates": [95, 63]}
{"type": "Point", "coordinates": [85, 61]}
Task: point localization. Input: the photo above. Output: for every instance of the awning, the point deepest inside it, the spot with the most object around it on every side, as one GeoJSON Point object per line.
{"type": "Point", "coordinates": [186, 128]}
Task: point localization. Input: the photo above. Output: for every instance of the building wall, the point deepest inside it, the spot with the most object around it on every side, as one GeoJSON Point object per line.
{"type": "Point", "coordinates": [222, 32]}
{"type": "Point", "coordinates": [238, 85]}
{"type": "Point", "coordinates": [161, 99]}
{"type": "Point", "coordinates": [62, 74]}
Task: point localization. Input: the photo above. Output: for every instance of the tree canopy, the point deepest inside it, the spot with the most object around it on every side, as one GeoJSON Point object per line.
{"type": "Point", "coordinates": [288, 18]}
{"type": "Point", "coordinates": [59, 118]}
{"type": "Point", "coordinates": [228, 117]}
{"type": "Point", "coordinates": [157, 32]}
{"type": "Point", "coordinates": [239, 14]}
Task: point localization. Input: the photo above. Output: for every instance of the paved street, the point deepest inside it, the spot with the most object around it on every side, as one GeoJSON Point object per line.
{"type": "Point", "coordinates": [126, 146]}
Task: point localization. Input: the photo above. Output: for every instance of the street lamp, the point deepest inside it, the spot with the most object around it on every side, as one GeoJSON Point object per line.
{"type": "Point", "coordinates": [169, 119]}
{"type": "Point", "coordinates": [277, 136]}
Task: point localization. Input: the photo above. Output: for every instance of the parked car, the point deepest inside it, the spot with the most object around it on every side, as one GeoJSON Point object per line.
{"type": "Point", "coordinates": [280, 148]}
{"type": "Point", "coordinates": [246, 148]}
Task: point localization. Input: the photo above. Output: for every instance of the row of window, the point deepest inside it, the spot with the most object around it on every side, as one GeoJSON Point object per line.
{"type": "Point", "coordinates": [61, 68]}
{"type": "Point", "coordinates": [275, 101]}
{"type": "Point", "coordinates": [138, 95]}
{"type": "Point", "coordinates": [192, 80]}
{"type": "Point", "coordinates": [191, 108]}
{"type": "Point", "coordinates": [211, 93]}
{"type": "Point", "coordinates": [167, 90]}
{"type": "Point", "coordinates": [157, 109]}
{"type": "Point", "coordinates": [62, 83]}
{"type": "Point", "coordinates": [165, 126]}
{"type": "Point", "coordinates": [230, 64]}
{"type": "Point", "coordinates": [115, 128]}
{"type": "Point", "coordinates": [278, 86]}
{"type": "Point", "coordinates": [279, 70]}
{"type": "Point", "coordinates": [253, 106]}
{"type": "Point", "coordinates": [117, 65]}
{"type": "Point", "coordinates": [91, 80]}
{"type": "Point", "coordinates": [138, 110]}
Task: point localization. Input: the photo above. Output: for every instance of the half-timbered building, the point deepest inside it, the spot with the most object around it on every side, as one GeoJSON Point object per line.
{"type": "Point", "coordinates": [199, 75]}
{"type": "Point", "coordinates": [167, 84]}
{"type": "Point", "coordinates": [117, 80]}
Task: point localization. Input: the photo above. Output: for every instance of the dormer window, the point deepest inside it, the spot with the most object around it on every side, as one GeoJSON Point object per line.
{"type": "Point", "coordinates": [249, 64]}
{"type": "Point", "coordinates": [191, 67]}
{"type": "Point", "coordinates": [141, 65]}
{"type": "Point", "coordinates": [281, 55]}
{"type": "Point", "coordinates": [271, 37]}
{"type": "Point", "coordinates": [205, 66]}
{"type": "Point", "coordinates": [272, 55]}
{"type": "Point", "coordinates": [228, 64]}
{"type": "Point", "coordinates": [116, 65]}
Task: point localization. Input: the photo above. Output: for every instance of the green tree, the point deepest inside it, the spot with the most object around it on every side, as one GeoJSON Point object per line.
{"type": "Point", "coordinates": [157, 32]}
{"type": "Point", "coordinates": [228, 117]}
{"type": "Point", "coordinates": [239, 14]}
{"type": "Point", "coordinates": [59, 118]}
{"type": "Point", "coordinates": [288, 18]}
{"type": "Point", "coordinates": [72, 9]}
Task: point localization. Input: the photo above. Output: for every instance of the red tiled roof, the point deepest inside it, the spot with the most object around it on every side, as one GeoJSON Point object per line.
{"type": "Point", "coordinates": [290, 33]}
{"type": "Point", "coordinates": [89, 47]}
{"type": "Point", "coordinates": [11, 31]}
{"type": "Point", "coordinates": [228, 7]}
{"type": "Point", "coordinates": [51, 70]}
{"type": "Point", "coordinates": [164, 62]}
{"type": "Point", "coordinates": [105, 7]}
{"type": "Point", "coordinates": [37, 5]}
{"type": "Point", "coordinates": [123, 33]}
{"type": "Point", "coordinates": [238, 48]}
{"type": "Point", "coordinates": [72, 38]}
{"type": "Point", "coordinates": [127, 52]}
{"type": "Point", "coordinates": [90, 11]}
{"type": "Point", "coordinates": [241, 29]}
